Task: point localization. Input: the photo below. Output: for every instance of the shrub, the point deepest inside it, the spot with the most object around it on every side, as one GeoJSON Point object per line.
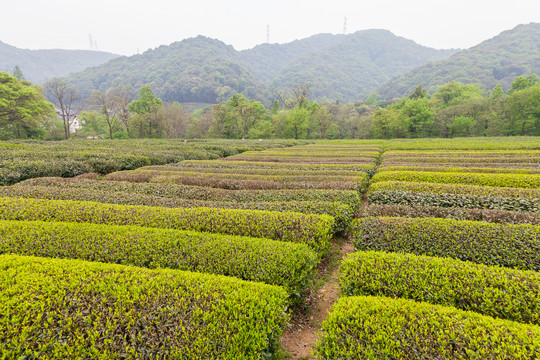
{"type": "Point", "coordinates": [277, 263]}
{"type": "Point", "coordinates": [382, 328]}
{"type": "Point", "coordinates": [313, 230]}
{"type": "Point", "coordinates": [458, 169]}
{"type": "Point", "coordinates": [348, 197]}
{"type": "Point", "coordinates": [66, 309]}
{"type": "Point", "coordinates": [515, 246]}
{"type": "Point", "coordinates": [531, 181]}
{"type": "Point", "coordinates": [489, 290]}
{"type": "Point", "coordinates": [444, 195]}
{"type": "Point", "coordinates": [487, 215]}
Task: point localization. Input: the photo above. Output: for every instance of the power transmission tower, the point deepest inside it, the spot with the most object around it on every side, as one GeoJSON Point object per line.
{"type": "Point", "coordinates": [345, 26]}
{"type": "Point", "coordinates": [91, 41]}
{"type": "Point", "coordinates": [268, 34]}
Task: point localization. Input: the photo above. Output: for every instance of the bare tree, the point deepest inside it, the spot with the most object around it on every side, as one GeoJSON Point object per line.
{"type": "Point", "coordinates": [103, 103]}
{"type": "Point", "coordinates": [120, 97]}
{"type": "Point", "coordinates": [66, 101]}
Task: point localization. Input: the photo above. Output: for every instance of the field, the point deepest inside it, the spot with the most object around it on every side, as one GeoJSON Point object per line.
{"type": "Point", "coordinates": [415, 249]}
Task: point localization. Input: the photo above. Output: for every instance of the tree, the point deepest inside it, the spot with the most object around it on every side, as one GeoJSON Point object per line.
{"type": "Point", "coordinates": [455, 92]}
{"type": "Point", "coordinates": [17, 72]}
{"type": "Point", "coordinates": [148, 121]}
{"type": "Point", "coordinates": [146, 103]}
{"type": "Point", "coordinates": [235, 118]}
{"type": "Point", "coordinates": [120, 98]}
{"type": "Point", "coordinates": [66, 101]}
{"type": "Point", "coordinates": [523, 82]}
{"type": "Point", "coordinates": [175, 120]}
{"type": "Point", "coordinates": [418, 93]}
{"type": "Point", "coordinates": [103, 104]}
{"type": "Point", "coordinates": [92, 123]}
{"type": "Point", "coordinates": [23, 109]}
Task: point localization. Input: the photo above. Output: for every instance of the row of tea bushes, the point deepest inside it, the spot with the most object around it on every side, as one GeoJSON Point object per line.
{"type": "Point", "coordinates": [342, 213]}
{"type": "Point", "coordinates": [231, 164]}
{"type": "Point", "coordinates": [488, 290]}
{"type": "Point", "coordinates": [530, 181]}
{"type": "Point", "coordinates": [515, 246]}
{"type": "Point", "coordinates": [348, 197]}
{"type": "Point", "coordinates": [266, 171]}
{"type": "Point", "coordinates": [240, 182]}
{"type": "Point", "coordinates": [313, 230]}
{"type": "Point", "coordinates": [507, 143]}
{"type": "Point", "coordinates": [454, 195]}
{"type": "Point", "coordinates": [458, 169]}
{"type": "Point", "coordinates": [455, 213]}
{"type": "Point", "coordinates": [30, 159]}
{"type": "Point", "coordinates": [273, 262]}
{"type": "Point", "coordinates": [72, 309]}
{"type": "Point", "coordinates": [383, 328]}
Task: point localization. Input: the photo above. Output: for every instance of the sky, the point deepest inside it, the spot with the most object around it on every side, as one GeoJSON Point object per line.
{"type": "Point", "coordinates": [131, 27]}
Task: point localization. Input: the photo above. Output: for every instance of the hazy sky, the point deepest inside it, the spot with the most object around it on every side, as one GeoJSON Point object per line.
{"type": "Point", "coordinates": [126, 27]}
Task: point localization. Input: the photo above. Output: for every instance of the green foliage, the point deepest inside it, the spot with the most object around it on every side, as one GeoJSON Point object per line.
{"type": "Point", "coordinates": [454, 195]}
{"type": "Point", "coordinates": [512, 246]}
{"type": "Point", "coordinates": [196, 193]}
{"type": "Point", "coordinates": [382, 328]}
{"type": "Point", "coordinates": [71, 158]}
{"type": "Point", "coordinates": [277, 263]}
{"type": "Point", "coordinates": [39, 65]}
{"type": "Point", "coordinates": [531, 181]}
{"type": "Point", "coordinates": [488, 290]}
{"type": "Point", "coordinates": [103, 311]}
{"type": "Point", "coordinates": [342, 213]}
{"type": "Point", "coordinates": [456, 213]}
{"type": "Point", "coordinates": [146, 103]}
{"type": "Point", "coordinates": [313, 230]}
{"type": "Point", "coordinates": [24, 113]}
{"type": "Point", "coordinates": [495, 61]}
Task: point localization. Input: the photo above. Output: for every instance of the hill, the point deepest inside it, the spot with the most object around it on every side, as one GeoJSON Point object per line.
{"type": "Point", "coordinates": [198, 69]}
{"type": "Point", "coordinates": [495, 61]}
{"type": "Point", "coordinates": [204, 70]}
{"type": "Point", "coordinates": [38, 65]}
{"type": "Point", "coordinates": [357, 65]}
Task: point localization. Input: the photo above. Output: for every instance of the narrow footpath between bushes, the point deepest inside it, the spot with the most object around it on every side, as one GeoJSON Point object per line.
{"type": "Point", "coordinates": [301, 335]}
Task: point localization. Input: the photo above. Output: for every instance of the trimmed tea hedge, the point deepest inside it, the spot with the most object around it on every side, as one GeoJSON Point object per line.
{"type": "Point", "coordinates": [458, 169]}
{"type": "Point", "coordinates": [229, 164]}
{"type": "Point", "coordinates": [174, 191]}
{"type": "Point", "coordinates": [342, 213]}
{"type": "Point", "coordinates": [239, 183]}
{"type": "Point", "coordinates": [489, 290]}
{"type": "Point", "coordinates": [515, 246]}
{"type": "Point", "coordinates": [487, 215]}
{"type": "Point", "coordinates": [382, 328]}
{"type": "Point", "coordinates": [72, 309]}
{"type": "Point", "coordinates": [420, 187]}
{"type": "Point", "coordinates": [313, 230]}
{"type": "Point", "coordinates": [444, 195]}
{"type": "Point", "coordinates": [273, 262]}
{"type": "Point", "coordinates": [531, 181]}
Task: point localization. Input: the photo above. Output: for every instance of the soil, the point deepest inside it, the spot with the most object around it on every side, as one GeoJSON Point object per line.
{"type": "Point", "coordinates": [301, 335]}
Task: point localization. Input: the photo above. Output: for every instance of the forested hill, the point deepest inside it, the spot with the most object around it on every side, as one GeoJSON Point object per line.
{"type": "Point", "coordinates": [354, 67]}
{"type": "Point", "coordinates": [495, 61]}
{"type": "Point", "coordinates": [340, 67]}
{"type": "Point", "coordinates": [197, 69]}
{"type": "Point", "coordinates": [38, 65]}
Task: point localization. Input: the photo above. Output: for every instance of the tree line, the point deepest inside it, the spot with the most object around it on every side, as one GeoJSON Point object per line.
{"type": "Point", "coordinates": [454, 110]}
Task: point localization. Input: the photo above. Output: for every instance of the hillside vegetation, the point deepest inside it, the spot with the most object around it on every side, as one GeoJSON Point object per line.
{"type": "Point", "coordinates": [344, 68]}
{"type": "Point", "coordinates": [495, 61]}
{"type": "Point", "coordinates": [39, 65]}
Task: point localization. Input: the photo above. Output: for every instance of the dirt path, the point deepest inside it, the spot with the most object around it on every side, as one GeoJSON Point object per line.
{"type": "Point", "coordinates": [301, 335]}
